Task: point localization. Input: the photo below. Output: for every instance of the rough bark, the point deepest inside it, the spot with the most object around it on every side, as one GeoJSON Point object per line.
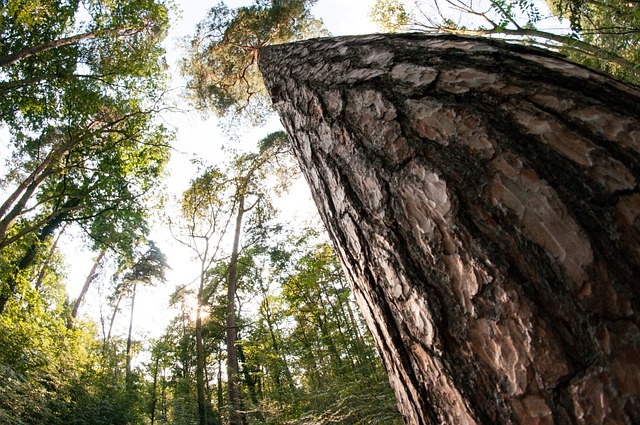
{"type": "Point", "coordinates": [483, 199]}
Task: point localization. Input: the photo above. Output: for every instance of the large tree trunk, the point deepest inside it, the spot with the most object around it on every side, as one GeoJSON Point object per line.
{"type": "Point", "coordinates": [483, 198]}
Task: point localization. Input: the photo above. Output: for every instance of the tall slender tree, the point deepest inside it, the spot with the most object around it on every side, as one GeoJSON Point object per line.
{"type": "Point", "coordinates": [206, 221]}
{"type": "Point", "coordinates": [148, 269]}
{"type": "Point", "coordinates": [215, 208]}
{"type": "Point", "coordinates": [85, 288]}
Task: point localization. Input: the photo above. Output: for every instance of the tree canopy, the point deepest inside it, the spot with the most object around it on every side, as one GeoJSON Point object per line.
{"type": "Point", "coordinates": [82, 86]}
{"type": "Point", "coordinates": [601, 35]}
{"type": "Point", "coordinates": [221, 65]}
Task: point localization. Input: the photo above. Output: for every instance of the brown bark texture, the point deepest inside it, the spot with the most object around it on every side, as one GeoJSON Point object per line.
{"type": "Point", "coordinates": [483, 199]}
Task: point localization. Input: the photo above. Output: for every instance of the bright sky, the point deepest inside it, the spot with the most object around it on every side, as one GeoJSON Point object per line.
{"type": "Point", "coordinates": [201, 138]}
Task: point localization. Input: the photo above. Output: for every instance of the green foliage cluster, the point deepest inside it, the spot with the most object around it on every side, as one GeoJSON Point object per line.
{"type": "Point", "coordinates": [52, 374]}
{"type": "Point", "coordinates": [602, 35]}
{"type": "Point", "coordinates": [611, 26]}
{"type": "Point", "coordinates": [390, 15]}
{"type": "Point", "coordinates": [305, 354]}
{"type": "Point", "coordinates": [221, 65]}
{"type": "Point", "coordinates": [56, 370]}
{"type": "Point", "coordinates": [81, 85]}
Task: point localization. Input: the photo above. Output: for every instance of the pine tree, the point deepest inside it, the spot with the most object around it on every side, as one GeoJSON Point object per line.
{"type": "Point", "coordinates": [483, 198]}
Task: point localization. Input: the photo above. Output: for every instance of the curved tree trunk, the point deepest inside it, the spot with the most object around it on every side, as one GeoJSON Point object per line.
{"type": "Point", "coordinates": [46, 263]}
{"type": "Point", "coordinates": [483, 198]}
{"type": "Point", "coordinates": [28, 52]}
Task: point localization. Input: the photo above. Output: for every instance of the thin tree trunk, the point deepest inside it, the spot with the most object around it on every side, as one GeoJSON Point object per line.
{"type": "Point", "coordinates": [251, 386]}
{"type": "Point", "coordinates": [34, 50]}
{"type": "Point", "coordinates": [15, 203]}
{"type": "Point", "coordinates": [312, 359]}
{"type": "Point", "coordinates": [282, 366]}
{"type": "Point", "coordinates": [220, 393]}
{"type": "Point", "coordinates": [233, 382]}
{"type": "Point", "coordinates": [275, 347]}
{"type": "Point", "coordinates": [164, 396]}
{"type": "Point", "coordinates": [85, 288]}
{"type": "Point", "coordinates": [154, 389]}
{"type": "Point", "coordinates": [326, 337]}
{"type": "Point", "coordinates": [483, 198]}
{"type": "Point", "coordinates": [54, 44]}
{"type": "Point", "coordinates": [202, 411]}
{"type": "Point", "coordinates": [13, 207]}
{"type": "Point", "coordinates": [31, 252]}
{"type": "Point", "coordinates": [43, 268]}
{"type": "Point", "coordinates": [129, 335]}
{"type": "Point", "coordinates": [364, 356]}
{"type": "Point", "coordinates": [207, 387]}
{"type": "Point", "coordinates": [113, 319]}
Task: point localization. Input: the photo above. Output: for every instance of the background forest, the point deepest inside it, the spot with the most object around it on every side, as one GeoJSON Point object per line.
{"type": "Point", "coordinates": [103, 210]}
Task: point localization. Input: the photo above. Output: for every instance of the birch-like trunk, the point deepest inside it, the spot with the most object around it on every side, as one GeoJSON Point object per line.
{"type": "Point", "coordinates": [483, 198]}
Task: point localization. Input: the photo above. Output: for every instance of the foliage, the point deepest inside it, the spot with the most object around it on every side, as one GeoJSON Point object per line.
{"type": "Point", "coordinates": [52, 374]}
{"type": "Point", "coordinates": [149, 267]}
{"type": "Point", "coordinates": [220, 207]}
{"type": "Point", "coordinates": [305, 355]}
{"type": "Point", "coordinates": [328, 350]}
{"type": "Point", "coordinates": [120, 52]}
{"type": "Point", "coordinates": [222, 60]}
{"type": "Point", "coordinates": [601, 35]}
{"type": "Point", "coordinates": [80, 101]}
{"type": "Point", "coordinates": [390, 15]}
{"type": "Point", "coordinates": [612, 26]}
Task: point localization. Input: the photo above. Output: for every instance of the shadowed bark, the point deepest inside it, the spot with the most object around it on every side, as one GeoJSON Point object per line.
{"type": "Point", "coordinates": [483, 198]}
